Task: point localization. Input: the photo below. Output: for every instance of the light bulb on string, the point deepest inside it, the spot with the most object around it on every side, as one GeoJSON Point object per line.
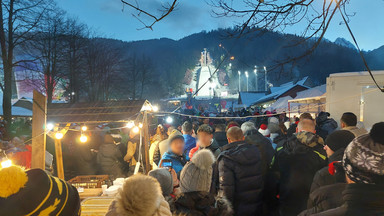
{"type": "Point", "coordinates": [84, 128]}
{"type": "Point", "coordinates": [6, 163]}
{"type": "Point", "coordinates": [83, 138]}
{"type": "Point", "coordinates": [59, 135]}
{"type": "Point", "coordinates": [130, 124]}
{"type": "Point", "coordinates": [136, 129]}
{"type": "Point", "coordinates": [50, 126]}
{"type": "Point", "coordinates": [140, 125]}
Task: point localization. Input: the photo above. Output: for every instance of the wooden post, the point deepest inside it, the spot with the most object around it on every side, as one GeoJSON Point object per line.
{"type": "Point", "coordinates": [39, 119]}
{"type": "Point", "coordinates": [59, 159]}
{"type": "Point", "coordinates": [146, 143]}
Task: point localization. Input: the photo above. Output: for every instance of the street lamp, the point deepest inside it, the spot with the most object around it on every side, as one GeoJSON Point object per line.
{"type": "Point", "coordinates": [265, 78]}
{"type": "Point", "coordinates": [246, 75]}
{"type": "Point", "coordinates": [255, 71]}
{"type": "Point", "coordinates": [239, 81]}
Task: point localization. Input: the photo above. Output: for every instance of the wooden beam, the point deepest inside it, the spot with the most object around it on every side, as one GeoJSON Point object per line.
{"type": "Point", "coordinates": [146, 142]}
{"type": "Point", "coordinates": [59, 159]}
{"type": "Point", "coordinates": [39, 119]}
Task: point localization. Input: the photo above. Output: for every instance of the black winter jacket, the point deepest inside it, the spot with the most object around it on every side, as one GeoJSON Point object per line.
{"type": "Point", "coordinates": [214, 148]}
{"type": "Point", "coordinates": [325, 198]}
{"type": "Point", "coordinates": [264, 145]}
{"type": "Point", "coordinates": [323, 177]}
{"type": "Point", "coordinates": [359, 200]}
{"type": "Point", "coordinates": [108, 158]}
{"type": "Point", "coordinates": [295, 166]}
{"type": "Point", "coordinates": [201, 204]}
{"type": "Point", "coordinates": [240, 177]}
{"type": "Point", "coordinates": [221, 138]}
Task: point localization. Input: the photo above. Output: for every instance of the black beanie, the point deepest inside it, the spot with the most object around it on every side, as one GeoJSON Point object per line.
{"type": "Point", "coordinates": [339, 139]}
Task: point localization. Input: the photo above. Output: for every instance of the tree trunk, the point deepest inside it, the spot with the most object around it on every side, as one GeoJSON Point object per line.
{"type": "Point", "coordinates": [7, 94]}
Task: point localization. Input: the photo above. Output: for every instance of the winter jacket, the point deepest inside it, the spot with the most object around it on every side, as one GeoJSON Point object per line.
{"type": "Point", "coordinates": [264, 145]}
{"type": "Point", "coordinates": [201, 203]}
{"type": "Point", "coordinates": [159, 151]}
{"type": "Point", "coordinates": [356, 131]}
{"type": "Point", "coordinates": [295, 166]}
{"type": "Point", "coordinates": [190, 143]}
{"type": "Point", "coordinates": [325, 127]}
{"type": "Point", "coordinates": [214, 148]}
{"type": "Point", "coordinates": [240, 177]}
{"type": "Point", "coordinates": [359, 200]}
{"type": "Point", "coordinates": [323, 177]}
{"type": "Point", "coordinates": [108, 158]}
{"type": "Point", "coordinates": [221, 138]}
{"type": "Point", "coordinates": [325, 198]}
{"type": "Point", "coordinates": [178, 162]}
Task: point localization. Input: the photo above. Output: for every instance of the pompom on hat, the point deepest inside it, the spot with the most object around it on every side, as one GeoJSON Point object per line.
{"type": "Point", "coordinates": [264, 130]}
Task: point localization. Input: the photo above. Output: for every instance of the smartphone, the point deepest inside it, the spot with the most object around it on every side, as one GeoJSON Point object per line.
{"type": "Point", "coordinates": [166, 163]}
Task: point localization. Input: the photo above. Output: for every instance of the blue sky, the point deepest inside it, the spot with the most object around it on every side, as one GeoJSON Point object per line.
{"type": "Point", "coordinates": [110, 19]}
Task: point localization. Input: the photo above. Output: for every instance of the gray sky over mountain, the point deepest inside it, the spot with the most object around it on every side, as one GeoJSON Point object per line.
{"type": "Point", "coordinates": [112, 19]}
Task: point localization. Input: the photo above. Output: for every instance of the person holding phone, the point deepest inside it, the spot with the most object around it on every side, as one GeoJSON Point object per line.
{"type": "Point", "coordinates": [174, 158]}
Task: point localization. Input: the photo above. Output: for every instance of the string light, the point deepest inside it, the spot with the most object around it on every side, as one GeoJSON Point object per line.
{"type": "Point", "coordinates": [140, 125]}
{"type": "Point", "coordinates": [83, 138]}
{"type": "Point", "coordinates": [7, 163]}
{"type": "Point", "coordinates": [84, 128]}
{"type": "Point", "coordinates": [131, 124]}
{"type": "Point", "coordinates": [59, 135]}
{"type": "Point", "coordinates": [50, 126]}
{"type": "Point", "coordinates": [136, 129]}
{"type": "Point", "coordinates": [155, 108]}
{"type": "Point", "coordinates": [169, 120]}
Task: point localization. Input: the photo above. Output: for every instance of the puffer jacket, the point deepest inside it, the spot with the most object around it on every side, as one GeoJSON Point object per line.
{"type": "Point", "coordinates": [325, 198]}
{"type": "Point", "coordinates": [108, 158]}
{"type": "Point", "coordinates": [359, 200]}
{"type": "Point", "coordinates": [201, 203]}
{"type": "Point", "coordinates": [295, 166]}
{"type": "Point", "coordinates": [323, 177]}
{"type": "Point", "coordinates": [325, 126]}
{"type": "Point", "coordinates": [240, 177]}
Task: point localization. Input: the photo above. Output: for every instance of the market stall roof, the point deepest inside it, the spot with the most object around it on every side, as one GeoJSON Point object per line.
{"type": "Point", "coordinates": [247, 98]}
{"type": "Point", "coordinates": [95, 112]}
{"type": "Point", "coordinates": [309, 100]}
{"type": "Point", "coordinates": [17, 111]}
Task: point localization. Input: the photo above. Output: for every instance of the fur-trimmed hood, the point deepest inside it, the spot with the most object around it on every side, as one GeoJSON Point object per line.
{"type": "Point", "coordinates": [141, 196]}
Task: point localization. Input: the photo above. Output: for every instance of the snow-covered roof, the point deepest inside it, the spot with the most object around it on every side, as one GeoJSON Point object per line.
{"type": "Point", "coordinates": [18, 111]}
{"type": "Point", "coordinates": [277, 94]}
{"type": "Point", "coordinates": [312, 92]}
{"type": "Point", "coordinates": [248, 98]}
{"type": "Point", "coordinates": [359, 73]}
{"type": "Point", "coordinates": [281, 103]}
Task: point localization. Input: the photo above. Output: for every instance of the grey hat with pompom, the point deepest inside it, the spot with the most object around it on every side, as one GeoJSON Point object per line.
{"type": "Point", "coordinates": [197, 174]}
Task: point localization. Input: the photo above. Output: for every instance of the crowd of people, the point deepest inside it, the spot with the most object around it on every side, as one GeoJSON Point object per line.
{"type": "Point", "coordinates": [265, 167]}
{"type": "Point", "coordinates": [262, 166]}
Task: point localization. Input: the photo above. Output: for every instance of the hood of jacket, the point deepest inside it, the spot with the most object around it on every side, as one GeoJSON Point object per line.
{"type": "Point", "coordinates": [305, 142]}
{"type": "Point", "coordinates": [241, 153]}
{"type": "Point", "coordinates": [309, 139]}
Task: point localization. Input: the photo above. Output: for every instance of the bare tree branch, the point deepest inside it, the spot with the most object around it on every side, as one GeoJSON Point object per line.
{"type": "Point", "coordinates": [167, 9]}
